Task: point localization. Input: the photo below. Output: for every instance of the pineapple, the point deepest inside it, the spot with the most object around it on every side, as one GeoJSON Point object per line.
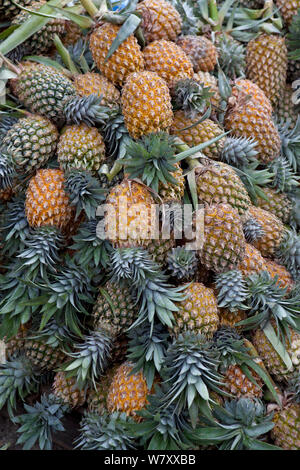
{"type": "Point", "coordinates": [93, 83]}
{"type": "Point", "coordinates": [288, 8]}
{"type": "Point", "coordinates": [284, 277]}
{"type": "Point", "coordinates": [271, 358]}
{"type": "Point", "coordinates": [266, 60]}
{"type": "Point", "coordinates": [127, 59]}
{"type": "Point", "coordinates": [247, 118]}
{"type": "Point", "coordinates": [8, 9]}
{"type": "Point", "coordinates": [67, 391]}
{"type": "Point", "coordinates": [218, 183]}
{"type": "Point", "coordinates": [31, 142]}
{"type": "Point", "coordinates": [286, 109]}
{"type": "Point", "coordinates": [253, 261]}
{"type": "Point", "coordinates": [72, 33]}
{"type": "Point", "coordinates": [97, 397]}
{"type": "Point", "coordinates": [80, 147]}
{"type": "Point", "coordinates": [46, 200]}
{"type": "Point", "coordinates": [210, 81]}
{"type": "Point", "coordinates": [160, 20]}
{"type": "Point", "coordinates": [127, 392]}
{"type": "Point", "coordinates": [201, 51]}
{"type": "Point", "coordinates": [224, 241]}
{"type": "Point", "coordinates": [278, 204]}
{"type": "Point", "coordinates": [134, 217]}
{"type": "Point", "coordinates": [146, 104]}
{"type": "Point", "coordinates": [168, 60]}
{"type": "Point", "coordinates": [231, 318]}
{"type": "Point", "coordinates": [270, 242]}
{"type": "Point", "coordinates": [198, 313]}
{"type": "Point", "coordinates": [247, 89]}
{"type": "Point", "coordinates": [199, 133]}
{"type": "Point", "coordinates": [42, 40]}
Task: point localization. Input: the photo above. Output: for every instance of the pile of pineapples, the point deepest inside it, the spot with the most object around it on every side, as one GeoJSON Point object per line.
{"type": "Point", "coordinates": [158, 343]}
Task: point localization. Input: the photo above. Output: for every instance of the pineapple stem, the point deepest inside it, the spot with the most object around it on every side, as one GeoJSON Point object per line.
{"type": "Point", "coordinates": [214, 14]}
{"type": "Point", "coordinates": [90, 7]}
{"type": "Point", "coordinates": [65, 55]}
{"type": "Point", "coordinates": [115, 170]}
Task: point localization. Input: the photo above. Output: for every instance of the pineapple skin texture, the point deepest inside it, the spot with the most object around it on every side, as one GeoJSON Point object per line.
{"type": "Point", "coordinates": [253, 262]}
{"type": "Point", "coordinates": [228, 318]}
{"type": "Point", "coordinates": [218, 183]}
{"type": "Point", "coordinates": [168, 60]}
{"type": "Point", "coordinates": [288, 8]}
{"type": "Point", "coordinates": [266, 59]}
{"type": "Point", "coordinates": [146, 104]}
{"type": "Point", "coordinates": [239, 385]}
{"type": "Point", "coordinates": [42, 355]}
{"type": "Point", "coordinates": [81, 147]}
{"type": "Point", "coordinates": [67, 391]}
{"type": "Point", "coordinates": [127, 393]}
{"type": "Point", "coordinates": [32, 142]}
{"type": "Point", "coordinates": [224, 241]}
{"type": "Point", "coordinates": [198, 313]}
{"type": "Point", "coordinates": [128, 227]}
{"type": "Point", "coordinates": [286, 432]}
{"type": "Point", "coordinates": [126, 59]}
{"type": "Point", "coordinates": [279, 204]}
{"type": "Point", "coordinates": [284, 277]}
{"type": "Point", "coordinates": [93, 83]}
{"type": "Point", "coordinates": [273, 228]}
{"type": "Point", "coordinates": [210, 81]}
{"type": "Point", "coordinates": [173, 192]}
{"type": "Point", "coordinates": [201, 51]}
{"type": "Point", "coordinates": [46, 200]}
{"type": "Point", "coordinates": [196, 135]}
{"type": "Point", "coordinates": [247, 88]}
{"type": "Point", "coordinates": [160, 20]}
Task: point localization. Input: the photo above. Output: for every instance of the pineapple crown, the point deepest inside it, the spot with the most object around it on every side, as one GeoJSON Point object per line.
{"type": "Point", "coordinates": [90, 251]}
{"type": "Point", "coordinates": [7, 171]}
{"type": "Point", "coordinates": [294, 197]}
{"type": "Point", "coordinates": [182, 263]}
{"type": "Point", "coordinates": [269, 301]}
{"type": "Point", "coordinates": [90, 359]}
{"type": "Point", "coordinates": [188, 13]}
{"type": "Point", "coordinates": [236, 426]}
{"type": "Point", "coordinates": [157, 298]}
{"type": "Point", "coordinates": [16, 55]}
{"type": "Point", "coordinates": [15, 227]}
{"type": "Point", "coordinates": [253, 230]}
{"type": "Point", "coordinates": [6, 123]}
{"type": "Point", "coordinates": [162, 428]}
{"type": "Point", "coordinates": [190, 371]}
{"type": "Point", "coordinates": [255, 179]}
{"type": "Point", "coordinates": [105, 432]}
{"type": "Point", "coordinates": [147, 351]}
{"type": "Point", "coordinates": [232, 290]}
{"type": "Point", "coordinates": [55, 334]}
{"type": "Point", "coordinates": [288, 253]}
{"type": "Point", "coordinates": [290, 142]}
{"type": "Point", "coordinates": [40, 421]}
{"type": "Point", "coordinates": [151, 159]}
{"type": "Point", "coordinates": [192, 97]}
{"type": "Point", "coordinates": [231, 56]}
{"type": "Point", "coordinates": [18, 378]}
{"type": "Point", "coordinates": [115, 134]}
{"type": "Point", "coordinates": [293, 38]}
{"type": "Point", "coordinates": [86, 109]}
{"type": "Point", "coordinates": [79, 54]}
{"type": "Point", "coordinates": [40, 254]}
{"type": "Point", "coordinates": [284, 179]}
{"type": "Point", "coordinates": [238, 151]}
{"type": "Point", "coordinates": [84, 192]}
{"type": "Point", "coordinates": [67, 294]}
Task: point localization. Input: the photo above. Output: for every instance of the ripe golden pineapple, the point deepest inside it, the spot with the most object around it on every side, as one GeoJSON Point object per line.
{"type": "Point", "coordinates": [196, 135]}
{"type": "Point", "coordinates": [126, 59]}
{"type": "Point", "coordinates": [284, 277]}
{"type": "Point", "coordinates": [285, 108]}
{"type": "Point", "coordinates": [94, 83]}
{"type": "Point", "coordinates": [278, 204]}
{"type": "Point", "coordinates": [46, 200]}
{"type": "Point", "coordinates": [229, 318]}
{"type": "Point", "coordinates": [198, 312]}
{"type": "Point", "coordinates": [247, 89]}
{"type": "Point", "coordinates": [168, 60]}
{"type": "Point", "coordinates": [80, 147]}
{"type": "Point", "coordinates": [224, 241]}
{"type": "Point", "coordinates": [238, 384]}
{"type": "Point", "coordinates": [253, 262]}
{"type": "Point", "coordinates": [160, 20]}
{"type": "Point", "coordinates": [286, 432]}
{"type": "Point", "coordinates": [127, 393]}
{"type": "Point", "coordinates": [273, 231]}
{"type": "Point", "coordinates": [272, 360]}
{"type": "Point", "coordinates": [288, 8]}
{"type": "Point", "coordinates": [146, 104]}
{"type": "Point", "coordinates": [250, 119]}
{"type": "Point", "coordinates": [266, 59]}
{"type": "Point", "coordinates": [201, 51]}
{"type": "Point", "coordinates": [67, 390]}
{"type": "Point", "coordinates": [172, 192]}
{"type": "Point", "coordinates": [130, 223]}
{"type": "Point", "coordinates": [218, 183]}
